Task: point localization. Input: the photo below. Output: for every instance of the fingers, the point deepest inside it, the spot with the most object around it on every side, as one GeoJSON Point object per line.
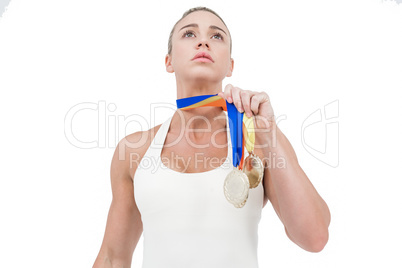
{"type": "Point", "coordinates": [237, 99]}
{"type": "Point", "coordinates": [245, 100]}
{"type": "Point", "coordinates": [255, 103]}
{"type": "Point", "coordinates": [246, 96]}
{"type": "Point", "coordinates": [242, 99]}
{"type": "Point", "coordinates": [228, 93]}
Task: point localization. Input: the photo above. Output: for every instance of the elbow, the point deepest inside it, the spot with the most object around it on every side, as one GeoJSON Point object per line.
{"type": "Point", "coordinates": [318, 242]}
{"type": "Point", "coordinates": [320, 236]}
{"type": "Point", "coordinates": [314, 243]}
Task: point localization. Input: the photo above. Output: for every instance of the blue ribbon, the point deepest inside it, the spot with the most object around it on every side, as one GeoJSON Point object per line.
{"type": "Point", "coordinates": [235, 124]}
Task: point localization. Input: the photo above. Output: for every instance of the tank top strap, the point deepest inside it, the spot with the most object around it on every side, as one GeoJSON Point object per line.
{"type": "Point", "coordinates": [158, 141]}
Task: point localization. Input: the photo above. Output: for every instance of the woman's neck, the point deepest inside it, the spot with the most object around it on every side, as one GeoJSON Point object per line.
{"type": "Point", "coordinates": [201, 122]}
{"type": "Point", "coordinates": [196, 88]}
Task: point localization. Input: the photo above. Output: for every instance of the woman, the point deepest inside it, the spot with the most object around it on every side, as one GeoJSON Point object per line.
{"type": "Point", "coordinates": [181, 208]}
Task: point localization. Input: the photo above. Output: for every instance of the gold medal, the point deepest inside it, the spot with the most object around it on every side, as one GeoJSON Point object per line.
{"type": "Point", "coordinates": [236, 188]}
{"type": "Point", "coordinates": [246, 174]}
{"type": "Point", "coordinates": [254, 169]}
{"type": "Point", "coordinates": [252, 165]}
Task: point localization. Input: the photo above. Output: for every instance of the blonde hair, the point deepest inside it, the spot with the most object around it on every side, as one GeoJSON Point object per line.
{"type": "Point", "coordinates": [191, 10]}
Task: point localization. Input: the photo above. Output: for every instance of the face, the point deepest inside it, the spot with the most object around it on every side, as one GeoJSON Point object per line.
{"type": "Point", "coordinates": [210, 36]}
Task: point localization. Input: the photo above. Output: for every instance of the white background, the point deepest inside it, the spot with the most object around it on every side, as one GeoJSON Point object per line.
{"type": "Point", "coordinates": [54, 196]}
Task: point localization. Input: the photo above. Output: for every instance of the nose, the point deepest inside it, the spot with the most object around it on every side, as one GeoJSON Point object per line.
{"type": "Point", "coordinates": [202, 43]}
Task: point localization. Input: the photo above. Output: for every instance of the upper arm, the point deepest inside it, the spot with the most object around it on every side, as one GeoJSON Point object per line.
{"type": "Point", "coordinates": [124, 224]}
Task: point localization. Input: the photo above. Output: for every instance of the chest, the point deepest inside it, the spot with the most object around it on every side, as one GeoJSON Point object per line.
{"type": "Point", "coordinates": [189, 156]}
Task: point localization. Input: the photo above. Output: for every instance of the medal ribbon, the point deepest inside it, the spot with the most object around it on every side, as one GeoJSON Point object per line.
{"type": "Point", "coordinates": [241, 127]}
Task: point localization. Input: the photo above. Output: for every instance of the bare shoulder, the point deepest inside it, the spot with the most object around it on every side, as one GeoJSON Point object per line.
{"type": "Point", "coordinates": [132, 148]}
{"type": "Point", "coordinates": [124, 223]}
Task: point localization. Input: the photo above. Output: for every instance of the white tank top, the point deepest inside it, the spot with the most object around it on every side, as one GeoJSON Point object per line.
{"type": "Point", "coordinates": [187, 221]}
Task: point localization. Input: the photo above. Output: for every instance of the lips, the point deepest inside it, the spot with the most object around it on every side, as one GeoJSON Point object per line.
{"type": "Point", "coordinates": [204, 55]}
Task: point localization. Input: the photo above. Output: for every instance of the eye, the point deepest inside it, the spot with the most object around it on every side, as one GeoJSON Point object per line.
{"type": "Point", "coordinates": [188, 32]}
{"type": "Point", "coordinates": [219, 35]}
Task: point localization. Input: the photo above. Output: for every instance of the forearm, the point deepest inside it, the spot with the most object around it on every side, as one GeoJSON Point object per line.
{"type": "Point", "coordinates": [303, 212]}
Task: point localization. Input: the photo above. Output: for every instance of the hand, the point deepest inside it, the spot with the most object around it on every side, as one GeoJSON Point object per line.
{"type": "Point", "coordinates": [253, 103]}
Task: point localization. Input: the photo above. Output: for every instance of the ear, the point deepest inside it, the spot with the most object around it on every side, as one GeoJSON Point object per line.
{"type": "Point", "coordinates": [168, 63]}
{"type": "Point", "coordinates": [229, 74]}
